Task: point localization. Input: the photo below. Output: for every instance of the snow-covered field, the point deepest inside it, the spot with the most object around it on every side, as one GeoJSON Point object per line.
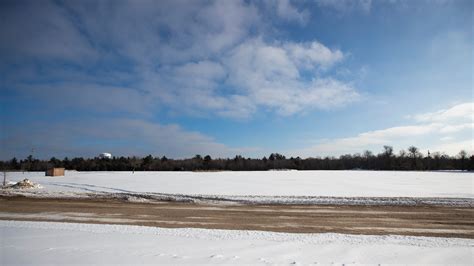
{"type": "Point", "coordinates": [64, 243]}
{"type": "Point", "coordinates": [268, 183]}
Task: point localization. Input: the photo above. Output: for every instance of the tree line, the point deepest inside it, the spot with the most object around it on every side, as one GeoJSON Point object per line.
{"type": "Point", "coordinates": [411, 159]}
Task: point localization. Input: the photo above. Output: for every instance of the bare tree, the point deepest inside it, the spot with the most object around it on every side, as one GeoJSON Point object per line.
{"type": "Point", "coordinates": [367, 155]}
{"type": "Point", "coordinates": [414, 153]}
{"type": "Point", "coordinates": [462, 155]}
{"type": "Point", "coordinates": [387, 154]}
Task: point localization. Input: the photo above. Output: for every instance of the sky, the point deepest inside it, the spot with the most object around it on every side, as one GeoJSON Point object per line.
{"type": "Point", "coordinates": [175, 78]}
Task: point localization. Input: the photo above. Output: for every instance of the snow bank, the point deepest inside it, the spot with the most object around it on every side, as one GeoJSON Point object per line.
{"type": "Point", "coordinates": [230, 199]}
{"type": "Point", "coordinates": [23, 184]}
{"type": "Point", "coordinates": [62, 243]}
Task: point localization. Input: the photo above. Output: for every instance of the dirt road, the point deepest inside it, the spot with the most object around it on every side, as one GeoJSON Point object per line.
{"type": "Point", "coordinates": [374, 220]}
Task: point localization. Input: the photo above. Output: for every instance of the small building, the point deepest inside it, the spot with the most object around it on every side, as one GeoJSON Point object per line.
{"type": "Point", "coordinates": [55, 172]}
{"type": "Point", "coordinates": [105, 155]}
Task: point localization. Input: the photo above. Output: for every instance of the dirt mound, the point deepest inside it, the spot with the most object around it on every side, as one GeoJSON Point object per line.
{"type": "Point", "coordinates": [25, 184]}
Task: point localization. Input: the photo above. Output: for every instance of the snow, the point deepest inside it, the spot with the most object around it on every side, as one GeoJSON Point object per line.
{"type": "Point", "coordinates": [261, 185]}
{"type": "Point", "coordinates": [23, 184]}
{"type": "Point", "coordinates": [54, 243]}
{"type": "Point", "coordinates": [62, 243]}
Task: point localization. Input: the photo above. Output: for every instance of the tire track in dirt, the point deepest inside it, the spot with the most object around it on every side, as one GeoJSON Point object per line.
{"type": "Point", "coordinates": [439, 221]}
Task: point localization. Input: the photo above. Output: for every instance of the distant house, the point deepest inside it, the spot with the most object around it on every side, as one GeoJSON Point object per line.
{"type": "Point", "coordinates": [105, 155]}
{"type": "Point", "coordinates": [55, 172]}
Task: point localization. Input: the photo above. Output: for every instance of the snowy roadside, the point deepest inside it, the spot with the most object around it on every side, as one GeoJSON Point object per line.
{"type": "Point", "coordinates": [62, 243]}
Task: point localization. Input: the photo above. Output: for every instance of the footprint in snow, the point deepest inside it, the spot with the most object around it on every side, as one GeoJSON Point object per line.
{"type": "Point", "coordinates": [217, 256]}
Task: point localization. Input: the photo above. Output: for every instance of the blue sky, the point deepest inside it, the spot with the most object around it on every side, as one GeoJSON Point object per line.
{"type": "Point", "coordinates": [178, 78]}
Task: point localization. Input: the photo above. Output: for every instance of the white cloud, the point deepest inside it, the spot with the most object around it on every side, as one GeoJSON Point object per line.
{"type": "Point", "coordinates": [434, 125]}
{"type": "Point", "coordinates": [89, 97]}
{"type": "Point", "coordinates": [251, 76]}
{"type": "Point", "coordinates": [205, 69]}
{"type": "Point", "coordinates": [345, 6]}
{"type": "Point", "coordinates": [41, 30]}
{"type": "Point", "coordinates": [143, 31]}
{"type": "Point", "coordinates": [194, 57]}
{"type": "Point", "coordinates": [121, 137]}
{"type": "Point", "coordinates": [312, 55]}
{"type": "Point", "coordinates": [460, 111]}
{"type": "Point", "coordinates": [456, 128]}
{"type": "Point", "coordinates": [366, 140]}
{"type": "Point", "coordinates": [398, 132]}
{"type": "Point", "coordinates": [454, 147]}
{"type": "Point", "coordinates": [202, 74]}
{"type": "Point", "coordinates": [446, 138]}
{"type": "Point", "coordinates": [287, 11]}
{"type": "Point", "coordinates": [270, 75]}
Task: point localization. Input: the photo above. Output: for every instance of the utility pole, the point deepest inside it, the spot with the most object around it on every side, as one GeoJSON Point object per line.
{"type": "Point", "coordinates": [32, 158]}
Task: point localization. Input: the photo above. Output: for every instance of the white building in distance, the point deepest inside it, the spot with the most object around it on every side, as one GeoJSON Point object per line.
{"type": "Point", "coordinates": [105, 155]}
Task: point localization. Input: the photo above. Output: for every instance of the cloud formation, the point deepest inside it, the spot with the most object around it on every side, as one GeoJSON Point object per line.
{"type": "Point", "coordinates": [192, 57]}
{"type": "Point", "coordinates": [441, 126]}
{"type": "Point", "coordinates": [345, 6]}
{"type": "Point", "coordinates": [120, 136]}
{"type": "Point", "coordinates": [118, 64]}
{"type": "Point", "coordinates": [269, 75]}
{"type": "Point", "coordinates": [284, 9]}
{"type": "Point", "coordinates": [461, 111]}
{"type": "Point", "coordinates": [146, 66]}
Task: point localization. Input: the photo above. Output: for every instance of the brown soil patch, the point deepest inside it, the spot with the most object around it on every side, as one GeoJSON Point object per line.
{"type": "Point", "coordinates": [373, 220]}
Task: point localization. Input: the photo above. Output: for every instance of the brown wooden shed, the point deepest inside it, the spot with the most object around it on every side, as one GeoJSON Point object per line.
{"type": "Point", "coordinates": [55, 172]}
